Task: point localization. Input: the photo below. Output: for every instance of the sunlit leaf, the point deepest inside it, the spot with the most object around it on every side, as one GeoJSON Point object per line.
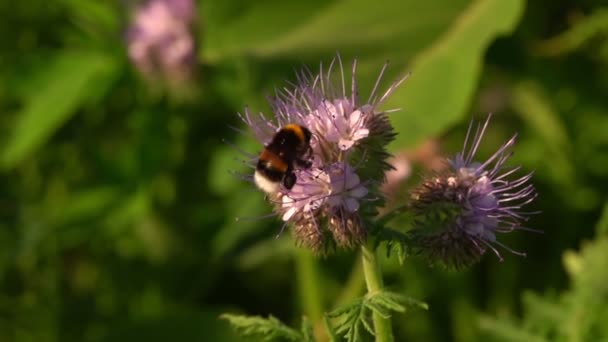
{"type": "Point", "coordinates": [444, 77]}
{"type": "Point", "coordinates": [273, 28]}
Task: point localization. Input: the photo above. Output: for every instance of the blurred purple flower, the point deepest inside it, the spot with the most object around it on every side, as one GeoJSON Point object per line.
{"type": "Point", "coordinates": [160, 40]}
{"type": "Point", "coordinates": [348, 160]}
{"type": "Point", "coordinates": [460, 211]}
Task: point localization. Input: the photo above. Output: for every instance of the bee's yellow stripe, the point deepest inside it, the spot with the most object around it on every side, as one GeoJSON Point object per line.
{"type": "Point", "coordinates": [297, 130]}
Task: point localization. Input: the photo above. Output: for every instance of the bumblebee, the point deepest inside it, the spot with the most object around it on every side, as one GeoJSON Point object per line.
{"type": "Point", "coordinates": [288, 149]}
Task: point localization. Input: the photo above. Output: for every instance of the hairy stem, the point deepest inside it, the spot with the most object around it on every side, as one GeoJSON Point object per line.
{"type": "Point", "coordinates": [373, 279]}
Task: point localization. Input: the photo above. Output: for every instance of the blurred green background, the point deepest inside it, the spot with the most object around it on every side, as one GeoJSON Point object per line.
{"type": "Point", "coordinates": [118, 206]}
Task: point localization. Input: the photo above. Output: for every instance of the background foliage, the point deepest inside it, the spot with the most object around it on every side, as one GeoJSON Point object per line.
{"type": "Point", "coordinates": [117, 205]}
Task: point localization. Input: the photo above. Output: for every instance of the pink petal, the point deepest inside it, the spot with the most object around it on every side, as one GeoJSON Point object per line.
{"type": "Point", "coordinates": [360, 134]}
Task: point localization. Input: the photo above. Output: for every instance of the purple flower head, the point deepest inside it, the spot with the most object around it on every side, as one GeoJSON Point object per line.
{"type": "Point", "coordinates": [160, 41]}
{"type": "Point", "coordinates": [326, 204]}
{"type": "Point", "coordinates": [460, 211]}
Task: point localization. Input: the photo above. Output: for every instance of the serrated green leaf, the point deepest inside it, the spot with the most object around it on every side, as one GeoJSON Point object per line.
{"type": "Point", "coordinates": [333, 337]}
{"type": "Point", "coordinates": [368, 325]}
{"type": "Point", "coordinates": [404, 300]}
{"type": "Point", "coordinates": [307, 330]}
{"type": "Point", "coordinates": [378, 308]}
{"type": "Point", "coordinates": [350, 319]}
{"type": "Point", "coordinates": [69, 80]}
{"type": "Point", "coordinates": [576, 314]}
{"type": "Point", "coordinates": [385, 301]}
{"type": "Point", "coordinates": [396, 243]}
{"type": "Point", "coordinates": [449, 71]}
{"type": "Point", "coordinates": [345, 308]}
{"type": "Point", "coordinates": [355, 334]}
{"type": "Point", "coordinates": [268, 329]}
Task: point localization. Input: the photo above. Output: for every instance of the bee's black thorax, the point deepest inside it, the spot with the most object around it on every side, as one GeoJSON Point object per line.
{"type": "Point", "coordinates": [289, 147]}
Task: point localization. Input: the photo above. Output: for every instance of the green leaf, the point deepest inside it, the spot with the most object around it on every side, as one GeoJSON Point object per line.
{"type": "Point", "coordinates": [68, 81]}
{"type": "Point", "coordinates": [444, 77]}
{"type": "Point", "coordinates": [275, 28]}
{"type": "Point", "coordinates": [578, 313]}
{"type": "Point", "coordinates": [268, 329]}
{"type": "Point", "coordinates": [348, 320]}
{"type": "Point", "coordinates": [307, 330]}
{"type": "Point", "coordinates": [333, 336]}
{"type": "Point", "coordinates": [396, 243]}
{"type": "Point", "coordinates": [585, 30]}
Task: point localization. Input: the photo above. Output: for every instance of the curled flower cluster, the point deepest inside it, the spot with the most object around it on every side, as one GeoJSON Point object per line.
{"type": "Point", "coordinates": [348, 159]}
{"type": "Point", "coordinates": [160, 40]}
{"type": "Point", "coordinates": [459, 211]}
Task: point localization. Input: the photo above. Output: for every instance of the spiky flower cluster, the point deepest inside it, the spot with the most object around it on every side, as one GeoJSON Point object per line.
{"type": "Point", "coordinates": [160, 40]}
{"type": "Point", "coordinates": [349, 136]}
{"type": "Point", "coordinates": [460, 211]}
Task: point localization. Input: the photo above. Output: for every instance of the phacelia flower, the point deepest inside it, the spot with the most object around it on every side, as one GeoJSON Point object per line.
{"type": "Point", "coordinates": [330, 200]}
{"type": "Point", "coordinates": [460, 210]}
{"type": "Point", "coordinates": [160, 40]}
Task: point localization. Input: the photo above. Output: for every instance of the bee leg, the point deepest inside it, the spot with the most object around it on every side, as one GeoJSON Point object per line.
{"type": "Point", "coordinates": [289, 180]}
{"type": "Point", "coordinates": [303, 163]}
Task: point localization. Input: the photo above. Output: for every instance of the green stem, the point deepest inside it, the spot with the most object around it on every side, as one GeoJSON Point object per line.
{"type": "Point", "coordinates": [373, 279]}
{"type": "Point", "coordinates": [310, 292]}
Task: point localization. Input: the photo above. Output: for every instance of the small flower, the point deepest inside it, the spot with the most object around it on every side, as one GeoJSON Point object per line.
{"type": "Point", "coordinates": [160, 41]}
{"type": "Point", "coordinates": [344, 125]}
{"type": "Point", "coordinates": [460, 211]}
{"type": "Point", "coordinates": [310, 192]}
{"type": "Point", "coordinates": [349, 136]}
{"type": "Point", "coordinates": [347, 188]}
